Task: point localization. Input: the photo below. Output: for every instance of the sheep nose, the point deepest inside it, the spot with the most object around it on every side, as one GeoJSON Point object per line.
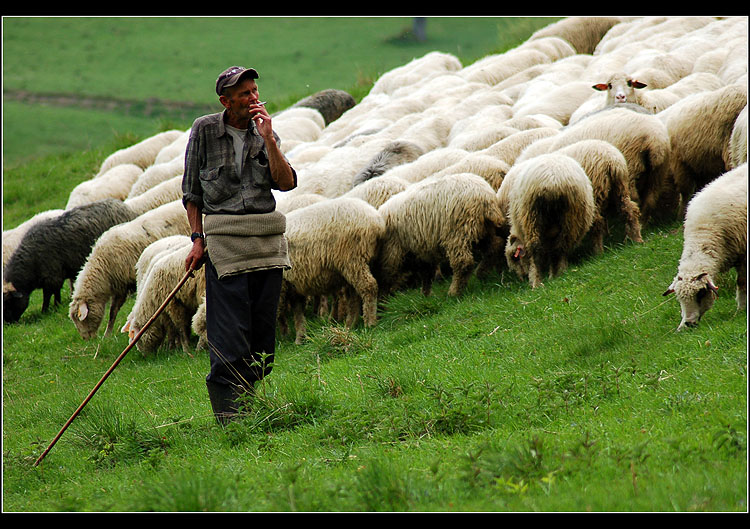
{"type": "Point", "coordinates": [621, 98]}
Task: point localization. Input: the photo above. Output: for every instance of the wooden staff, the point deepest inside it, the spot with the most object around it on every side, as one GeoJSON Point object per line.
{"type": "Point", "coordinates": [112, 368]}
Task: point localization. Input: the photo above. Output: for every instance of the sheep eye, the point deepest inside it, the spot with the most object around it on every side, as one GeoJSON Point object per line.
{"type": "Point", "coordinates": [609, 85]}
{"type": "Point", "coordinates": [630, 83]}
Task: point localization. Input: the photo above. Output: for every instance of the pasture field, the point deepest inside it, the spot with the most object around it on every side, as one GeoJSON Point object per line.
{"type": "Point", "coordinates": [578, 396]}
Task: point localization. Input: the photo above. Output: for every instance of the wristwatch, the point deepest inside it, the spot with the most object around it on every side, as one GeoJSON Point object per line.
{"type": "Point", "coordinates": [196, 235]}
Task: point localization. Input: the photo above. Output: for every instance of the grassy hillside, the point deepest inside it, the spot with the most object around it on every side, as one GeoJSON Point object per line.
{"type": "Point", "coordinates": [578, 396]}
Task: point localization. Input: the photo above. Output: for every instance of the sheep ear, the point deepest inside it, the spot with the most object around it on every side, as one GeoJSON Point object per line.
{"type": "Point", "coordinates": [518, 253]}
{"type": "Point", "coordinates": [670, 290]}
{"type": "Point", "coordinates": [638, 84]}
{"type": "Point", "coordinates": [83, 311]}
{"type": "Point", "coordinates": [602, 87]}
{"type": "Point", "coordinates": [126, 327]}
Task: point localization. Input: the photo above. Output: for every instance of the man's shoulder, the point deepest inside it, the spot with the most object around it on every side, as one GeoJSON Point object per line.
{"type": "Point", "coordinates": [207, 120]}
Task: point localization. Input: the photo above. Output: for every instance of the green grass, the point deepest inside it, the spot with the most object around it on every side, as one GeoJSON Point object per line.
{"type": "Point", "coordinates": [578, 396]}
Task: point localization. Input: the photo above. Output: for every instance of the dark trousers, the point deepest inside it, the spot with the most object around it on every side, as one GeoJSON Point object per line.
{"type": "Point", "coordinates": [241, 325]}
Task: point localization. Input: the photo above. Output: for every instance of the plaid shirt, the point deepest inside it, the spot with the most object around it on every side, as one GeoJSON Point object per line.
{"type": "Point", "coordinates": [211, 181]}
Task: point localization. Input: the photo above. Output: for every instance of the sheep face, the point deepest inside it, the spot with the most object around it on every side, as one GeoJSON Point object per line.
{"type": "Point", "coordinates": [620, 89]}
{"type": "Point", "coordinates": [14, 304]}
{"type": "Point", "coordinates": [696, 296]}
{"type": "Point", "coordinates": [515, 255]}
{"type": "Point", "coordinates": [86, 316]}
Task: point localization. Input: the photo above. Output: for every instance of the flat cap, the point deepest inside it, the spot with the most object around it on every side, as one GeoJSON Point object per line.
{"type": "Point", "coordinates": [231, 75]}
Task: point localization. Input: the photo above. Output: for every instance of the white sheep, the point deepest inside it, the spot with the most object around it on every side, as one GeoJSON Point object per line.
{"type": "Point", "coordinates": [163, 193]}
{"type": "Point", "coordinates": [164, 274]}
{"type": "Point", "coordinates": [143, 265]}
{"type": "Point", "coordinates": [490, 168]}
{"type": "Point", "coordinates": [155, 174]}
{"type": "Point", "coordinates": [511, 147]}
{"type": "Point", "coordinates": [395, 153]}
{"type": "Point", "coordinates": [550, 209]}
{"type": "Point", "coordinates": [109, 272]}
{"type": "Point", "coordinates": [286, 202]}
{"type": "Point", "coordinates": [583, 33]}
{"type": "Point", "coordinates": [377, 190]}
{"type": "Point", "coordinates": [493, 69]}
{"type": "Point", "coordinates": [142, 153]}
{"type": "Point", "coordinates": [559, 103]}
{"type": "Point", "coordinates": [331, 246]}
{"type": "Point", "coordinates": [738, 141]}
{"type": "Point", "coordinates": [700, 128]}
{"type": "Point", "coordinates": [416, 71]}
{"type": "Point", "coordinates": [437, 219]}
{"type": "Point", "coordinates": [174, 149]}
{"type": "Point", "coordinates": [643, 140]}
{"type": "Point", "coordinates": [113, 183]}
{"type": "Point", "coordinates": [715, 241]}
{"type": "Point", "coordinates": [428, 164]}
{"type": "Point", "coordinates": [607, 169]}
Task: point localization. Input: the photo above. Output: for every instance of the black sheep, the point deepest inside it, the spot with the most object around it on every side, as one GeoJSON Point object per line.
{"type": "Point", "coordinates": [55, 250]}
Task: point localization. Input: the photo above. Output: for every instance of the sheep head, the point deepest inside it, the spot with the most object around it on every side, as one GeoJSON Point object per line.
{"type": "Point", "coordinates": [620, 88]}
{"type": "Point", "coordinates": [14, 303]}
{"type": "Point", "coordinates": [86, 316]}
{"type": "Point", "coordinates": [696, 296]}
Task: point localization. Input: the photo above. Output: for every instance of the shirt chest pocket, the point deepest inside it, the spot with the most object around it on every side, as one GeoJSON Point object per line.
{"type": "Point", "coordinates": [215, 186]}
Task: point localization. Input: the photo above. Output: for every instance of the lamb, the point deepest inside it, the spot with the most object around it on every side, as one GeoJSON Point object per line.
{"type": "Point", "coordinates": [114, 183]}
{"type": "Point", "coordinates": [643, 140]}
{"type": "Point", "coordinates": [395, 153]}
{"type": "Point", "coordinates": [551, 209]}
{"type": "Point", "coordinates": [331, 246]}
{"type": "Point", "coordinates": [331, 103]}
{"type": "Point", "coordinates": [109, 272]}
{"type": "Point", "coordinates": [142, 153]}
{"type": "Point", "coordinates": [715, 240]}
{"type": "Point", "coordinates": [435, 219]}
{"type": "Point", "coordinates": [738, 141]}
{"type": "Point", "coordinates": [164, 274]}
{"type": "Point", "coordinates": [54, 250]}
{"type": "Point", "coordinates": [700, 128]}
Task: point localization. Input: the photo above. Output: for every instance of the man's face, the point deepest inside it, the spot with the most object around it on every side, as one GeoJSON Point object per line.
{"type": "Point", "coordinates": [241, 96]}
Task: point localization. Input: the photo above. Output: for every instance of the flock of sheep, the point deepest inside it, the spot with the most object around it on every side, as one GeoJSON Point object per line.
{"type": "Point", "coordinates": [514, 161]}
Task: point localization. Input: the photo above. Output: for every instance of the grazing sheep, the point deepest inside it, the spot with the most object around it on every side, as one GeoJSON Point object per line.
{"type": "Point", "coordinates": [54, 250]}
{"type": "Point", "coordinates": [493, 69]}
{"type": "Point", "coordinates": [176, 149]}
{"type": "Point", "coordinates": [114, 183]}
{"type": "Point", "coordinates": [198, 324]}
{"type": "Point", "coordinates": [109, 272]}
{"type": "Point", "coordinates": [286, 202]}
{"type": "Point", "coordinates": [331, 246]}
{"type": "Point", "coordinates": [12, 237]}
{"type": "Point", "coordinates": [376, 191]}
{"type": "Point", "coordinates": [416, 71]}
{"type": "Point", "coordinates": [163, 276]}
{"type": "Point", "coordinates": [700, 128]}
{"type": "Point", "coordinates": [163, 193]}
{"type": "Point", "coordinates": [300, 124]}
{"type": "Point", "coordinates": [643, 140]}
{"type": "Point", "coordinates": [511, 147]}
{"type": "Point", "coordinates": [436, 219]}
{"type": "Point", "coordinates": [428, 164]}
{"type": "Point", "coordinates": [583, 33]}
{"type": "Point", "coordinates": [396, 153]}
{"type": "Point", "coordinates": [715, 240]}
{"type": "Point", "coordinates": [558, 103]}
{"type": "Point", "coordinates": [607, 169]}
{"type": "Point", "coordinates": [330, 103]}
{"type": "Point", "coordinates": [551, 209]}
{"type": "Point", "coordinates": [142, 153]}
{"type": "Point", "coordinates": [738, 141]}
{"type": "Point", "coordinates": [156, 174]}
{"type": "Point", "coordinates": [490, 168]}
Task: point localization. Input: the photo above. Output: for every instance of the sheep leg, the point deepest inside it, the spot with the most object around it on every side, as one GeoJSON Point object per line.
{"type": "Point", "coordinates": [462, 264]}
{"type": "Point", "coordinates": [114, 308]}
{"type": "Point", "coordinates": [741, 295]}
{"type": "Point", "coordinates": [297, 304]}
{"type": "Point", "coordinates": [364, 284]}
{"type": "Point", "coordinates": [598, 229]}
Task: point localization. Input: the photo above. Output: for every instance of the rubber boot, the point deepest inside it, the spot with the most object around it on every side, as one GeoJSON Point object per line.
{"type": "Point", "coordinates": [223, 399]}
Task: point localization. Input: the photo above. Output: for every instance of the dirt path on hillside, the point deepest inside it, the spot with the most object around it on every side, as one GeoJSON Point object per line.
{"type": "Point", "coordinates": [151, 107]}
